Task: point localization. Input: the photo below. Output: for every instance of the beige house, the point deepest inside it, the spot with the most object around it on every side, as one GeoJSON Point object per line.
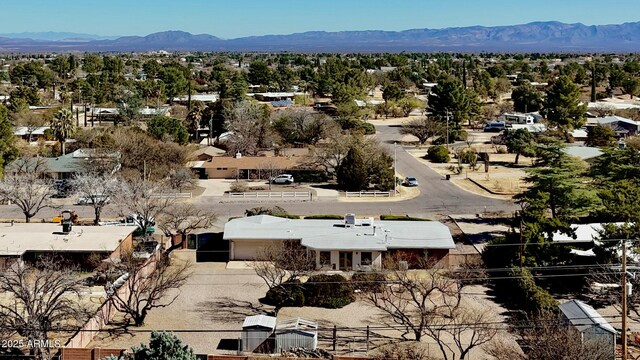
{"type": "Point", "coordinates": [246, 167]}
{"type": "Point", "coordinates": [28, 242]}
{"type": "Point", "coordinates": [349, 244]}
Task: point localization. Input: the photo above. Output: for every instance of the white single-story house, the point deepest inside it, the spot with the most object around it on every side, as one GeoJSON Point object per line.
{"type": "Point", "coordinates": [591, 326]}
{"type": "Point", "coordinates": [585, 153]}
{"type": "Point", "coordinates": [28, 242]}
{"type": "Point", "coordinates": [349, 244]}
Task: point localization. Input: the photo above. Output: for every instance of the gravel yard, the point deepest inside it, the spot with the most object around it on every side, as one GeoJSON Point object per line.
{"type": "Point", "coordinates": [216, 298]}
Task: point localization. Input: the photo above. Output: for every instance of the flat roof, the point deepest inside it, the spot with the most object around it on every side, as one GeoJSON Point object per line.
{"type": "Point", "coordinates": [19, 238]}
{"type": "Point", "coordinates": [333, 235]}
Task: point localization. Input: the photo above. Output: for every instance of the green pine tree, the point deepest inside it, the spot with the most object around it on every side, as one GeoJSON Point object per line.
{"type": "Point", "coordinates": [352, 173]}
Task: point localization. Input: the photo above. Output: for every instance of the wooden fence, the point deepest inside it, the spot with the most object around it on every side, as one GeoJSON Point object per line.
{"type": "Point", "coordinates": [107, 310]}
{"type": "Point", "coordinates": [368, 193]}
{"type": "Point", "coordinates": [271, 195]}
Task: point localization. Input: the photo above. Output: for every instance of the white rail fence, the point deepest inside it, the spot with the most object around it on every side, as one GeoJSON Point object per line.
{"type": "Point", "coordinates": [271, 195]}
{"type": "Point", "coordinates": [184, 195]}
{"type": "Point", "coordinates": [368, 193]}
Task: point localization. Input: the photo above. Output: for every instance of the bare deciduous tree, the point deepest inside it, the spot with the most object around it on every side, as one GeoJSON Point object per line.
{"type": "Point", "coordinates": [40, 300]}
{"type": "Point", "coordinates": [27, 189]}
{"type": "Point", "coordinates": [548, 337]}
{"type": "Point", "coordinates": [30, 121]}
{"type": "Point", "coordinates": [423, 128]}
{"type": "Point", "coordinates": [281, 266]}
{"type": "Point", "coordinates": [458, 330]}
{"type": "Point", "coordinates": [180, 178]}
{"type": "Point", "coordinates": [429, 302]}
{"type": "Point", "coordinates": [147, 200]}
{"type": "Point", "coordinates": [182, 219]}
{"type": "Point", "coordinates": [249, 124]}
{"type": "Point", "coordinates": [148, 287]}
{"type": "Point", "coordinates": [97, 190]}
{"type": "Point", "coordinates": [403, 351]}
{"type": "Point", "coordinates": [301, 126]}
{"type": "Point", "coordinates": [415, 297]}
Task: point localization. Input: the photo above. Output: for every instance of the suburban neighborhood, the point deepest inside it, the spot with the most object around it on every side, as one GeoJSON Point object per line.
{"type": "Point", "coordinates": [174, 203]}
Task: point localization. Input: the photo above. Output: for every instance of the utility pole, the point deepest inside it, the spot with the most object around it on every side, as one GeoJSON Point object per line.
{"type": "Point", "coordinates": [447, 129]}
{"type": "Point", "coordinates": [395, 156]}
{"type": "Point", "coordinates": [624, 299]}
{"type": "Point", "coordinates": [521, 243]}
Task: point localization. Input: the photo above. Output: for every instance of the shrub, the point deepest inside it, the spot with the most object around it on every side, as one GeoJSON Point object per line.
{"type": "Point", "coordinates": [368, 282]}
{"type": "Point", "coordinates": [521, 290]}
{"type": "Point", "coordinates": [325, 217]}
{"type": "Point", "coordinates": [468, 156]}
{"type": "Point", "coordinates": [402, 218]}
{"type": "Point", "coordinates": [328, 291]}
{"type": "Point", "coordinates": [289, 293]}
{"type": "Point", "coordinates": [287, 216]}
{"type": "Point", "coordinates": [367, 128]}
{"type": "Point", "coordinates": [438, 154]}
{"type": "Point", "coordinates": [239, 186]}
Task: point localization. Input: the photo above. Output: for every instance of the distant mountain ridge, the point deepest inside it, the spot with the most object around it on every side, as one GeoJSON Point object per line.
{"type": "Point", "coordinates": [532, 37]}
{"type": "Point", "coordinates": [57, 36]}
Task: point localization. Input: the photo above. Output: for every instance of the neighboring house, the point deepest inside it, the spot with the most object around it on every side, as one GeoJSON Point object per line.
{"type": "Point", "coordinates": [342, 244]}
{"type": "Point", "coordinates": [28, 242]}
{"type": "Point", "coordinates": [65, 166]}
{"type": "Point", "coordinates": [586, 153]}
{"type": "Point", "coordinates": [205, 98]}
{"type": "Point", "coordinates": [247, 167]}
{"type": "Point", "coordinates": [207, 153]}
{"type": "Point", "coordinates": [621, 126]}
{"type": "Point", "coordinates": [37, 133]}
{"type": "Point", "coordinates": [591, 326]}
{"type": "Point", "coordinates": [275, 96]}
{"type": "Point", "coordinates": [579, 134]}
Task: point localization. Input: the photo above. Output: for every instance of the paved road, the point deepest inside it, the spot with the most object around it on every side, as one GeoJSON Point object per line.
{"type": "Point", "coordinates": [437, 197]}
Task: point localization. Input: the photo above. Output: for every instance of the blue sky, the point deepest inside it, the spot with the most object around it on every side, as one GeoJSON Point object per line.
{"type": "Point", "coordinates": [235, 18]}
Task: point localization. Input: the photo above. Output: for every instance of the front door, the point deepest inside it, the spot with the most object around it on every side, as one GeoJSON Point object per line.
{"type": "Point", "coordinates": [346, 260]}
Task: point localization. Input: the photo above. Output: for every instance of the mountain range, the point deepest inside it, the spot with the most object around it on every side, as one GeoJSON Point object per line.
{"type": "Point", "coordinates": [532, 37]}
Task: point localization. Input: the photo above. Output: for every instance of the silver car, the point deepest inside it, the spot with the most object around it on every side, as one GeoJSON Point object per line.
{"type": "Point", "coordinates": [282, 179]}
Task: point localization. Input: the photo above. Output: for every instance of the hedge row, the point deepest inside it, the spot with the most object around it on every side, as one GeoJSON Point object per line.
{"type": "Point", "coordinates": [325, 291]}
{"type": "Point", "coordinates": [402, 218]}
{"type": "Point", "coordinates": [520, 290]}
{"type": "Point", "coordinates": [325, 217]}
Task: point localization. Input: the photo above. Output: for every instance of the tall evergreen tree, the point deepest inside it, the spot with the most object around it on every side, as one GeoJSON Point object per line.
{"type": "Point", "coordinates": [563, 107]}
{"type": "Point", "coordinates": [8, 150]}
{"type": "Point", "coordinates": [352, 173]}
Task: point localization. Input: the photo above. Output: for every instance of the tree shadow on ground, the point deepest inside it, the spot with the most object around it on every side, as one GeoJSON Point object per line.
{"type": "Point", "coordinates": [228, 310]}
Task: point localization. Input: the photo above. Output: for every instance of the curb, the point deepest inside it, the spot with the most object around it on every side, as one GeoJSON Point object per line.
{"type": "Point", "coordinates": [489, 190]}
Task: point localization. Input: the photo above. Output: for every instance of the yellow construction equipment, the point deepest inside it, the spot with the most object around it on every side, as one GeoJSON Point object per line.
{"type": "Point", "coordinates": [74, 217]}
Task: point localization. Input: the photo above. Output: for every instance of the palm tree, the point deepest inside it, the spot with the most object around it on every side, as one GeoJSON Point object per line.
{"type": "Point", "coordinates": [62, 126]}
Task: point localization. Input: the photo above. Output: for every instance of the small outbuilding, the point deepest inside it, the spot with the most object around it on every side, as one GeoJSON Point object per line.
{"type": "Point", "coordinates": [256, 330]}
{"type": "Point", "coordinates": [591, 326]}
{"type": "Point", "coordinates": [296, 333]}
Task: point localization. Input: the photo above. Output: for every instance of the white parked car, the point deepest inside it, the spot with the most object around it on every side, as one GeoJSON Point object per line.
{"type": "Point", "coordinates": [282, 179]}
{"type": "Point", "coordinates": [88, 200]}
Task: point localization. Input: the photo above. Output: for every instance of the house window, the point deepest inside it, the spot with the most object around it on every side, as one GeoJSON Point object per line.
{"type": "Point", "coordinates": [325, 258]}
{"type": "Point", "coordinates": [366, 258]}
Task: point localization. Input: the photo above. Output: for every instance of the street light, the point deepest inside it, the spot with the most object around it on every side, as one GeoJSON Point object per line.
{"type": "Point", "coordinates": [395, 155]}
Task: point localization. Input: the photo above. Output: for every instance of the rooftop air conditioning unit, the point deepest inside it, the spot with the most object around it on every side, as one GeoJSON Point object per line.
{"type": "Point", "coordinates": [350, 220]}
